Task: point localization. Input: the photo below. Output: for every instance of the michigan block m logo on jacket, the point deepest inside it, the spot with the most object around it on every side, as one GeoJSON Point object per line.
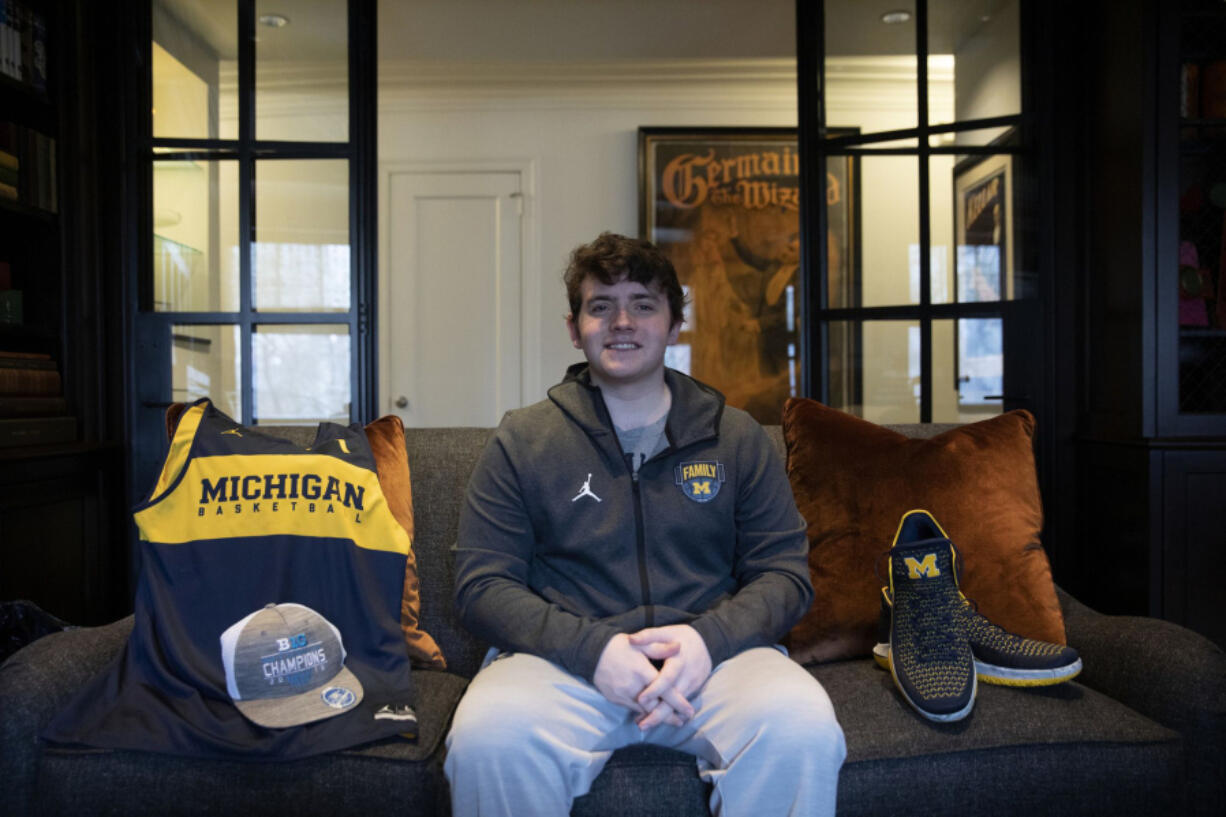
{"type": "Point", "coordinates": [700, 481]}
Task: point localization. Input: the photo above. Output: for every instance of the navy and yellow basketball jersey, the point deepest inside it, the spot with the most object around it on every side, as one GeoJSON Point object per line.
{"type": "Point", "coordinates": [240, 520]}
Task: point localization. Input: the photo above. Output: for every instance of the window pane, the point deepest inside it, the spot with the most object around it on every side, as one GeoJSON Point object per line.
{"type": "Point", "coordinates": [301, 373]}
{"type": "Point", "coordinates": [842, 225]}
{"type": "Point", "coordinates": [983, 217]}
{"type": "Point", "coordinates": [889, 189]}
{"type": "Point", "coordinates": [195, 236]}
{"type": "Point", "coordinates": [302, 71]}
{"type": "Point", "coordinates": [967, 369]}
{"type": "Point", "coordinates": [941, 227]}
{"type": "Point", "coordinates": [206, 361]}
{"type": "Point", "coordinates": [870, 66]}
{"type": "Point", "coordinates": [300, 253]}
{"type": "Point", "coordinates": [875, 369]}
{"type": "Point", "coordinates": [195, 51]}
{"type": "Point", "coordinates": [981, 48]}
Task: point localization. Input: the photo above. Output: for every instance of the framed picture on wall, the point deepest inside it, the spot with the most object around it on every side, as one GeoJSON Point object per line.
{"type": "Point", "coordinates": [724, 205]}
{"type": "Point", "coordinates": [983, 271]}
{"type": "Point", "coordinates": [983, 229]}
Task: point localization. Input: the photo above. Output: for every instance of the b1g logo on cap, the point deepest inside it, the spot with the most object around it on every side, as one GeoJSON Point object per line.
{"type": "Point", "coordinates": [700, 481]}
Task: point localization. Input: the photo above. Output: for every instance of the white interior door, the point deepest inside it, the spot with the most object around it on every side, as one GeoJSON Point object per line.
{"type": "Point", "coordinates": [453, 297]}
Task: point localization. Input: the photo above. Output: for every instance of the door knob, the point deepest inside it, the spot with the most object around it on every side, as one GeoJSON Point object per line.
{"type": "Point", "coordinates": [402, 402]}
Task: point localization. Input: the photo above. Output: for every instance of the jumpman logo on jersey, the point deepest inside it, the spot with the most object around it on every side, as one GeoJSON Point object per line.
{"type": "Point", "coordinates": [233, 431]}
{"type": "Point", "coordinates": [586, 490]}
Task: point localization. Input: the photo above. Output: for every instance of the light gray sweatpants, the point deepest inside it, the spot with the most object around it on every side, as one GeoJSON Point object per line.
{"type": "Point", "coordinates": [529, 737]}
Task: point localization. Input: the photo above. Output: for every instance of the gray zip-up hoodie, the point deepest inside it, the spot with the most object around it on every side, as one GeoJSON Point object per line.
{"type": "Point", "coordinates": [560, 547]}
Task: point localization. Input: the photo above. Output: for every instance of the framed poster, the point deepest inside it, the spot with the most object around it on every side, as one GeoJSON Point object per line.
{"type": "Point", "coordinates": [983, 229]}
{"type": "Point", "coordinates": [983, 271]}
{"type": "Point", "coordinates": [724, 205]}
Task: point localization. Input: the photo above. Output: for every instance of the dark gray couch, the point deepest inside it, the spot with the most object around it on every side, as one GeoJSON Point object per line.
{"type": "Point", "coordinates": [1141, 731]}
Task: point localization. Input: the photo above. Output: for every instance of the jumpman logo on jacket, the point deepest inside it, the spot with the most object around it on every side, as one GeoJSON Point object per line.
{"type": "Point", "coordinates": [586, 490]}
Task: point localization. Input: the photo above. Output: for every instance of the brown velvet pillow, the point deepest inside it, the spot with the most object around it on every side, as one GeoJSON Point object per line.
{"type": "Point", "coordinates": [386, 438]}
{"type": "Point", "coordinates": [853, 480]}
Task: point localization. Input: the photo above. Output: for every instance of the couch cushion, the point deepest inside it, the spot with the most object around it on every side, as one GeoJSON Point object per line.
{"type": "Point", "coordinates": [853, 480]}
{"type": "Point", "coordinates": [1062, 749]}
{"type": "Point", "coordinates": [646, 781]}
{"type": "Point", "coordinates": [1058, 750]}
{"type": "Point", "coordinates": [446, 458]}
{"type": "Point", "coordinates": [392, 777]}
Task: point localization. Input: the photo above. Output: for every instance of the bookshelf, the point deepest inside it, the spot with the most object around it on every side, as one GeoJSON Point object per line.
{"type": "Point", "coordinates": [1201, 339]}
{"type": "Point", "coordinates": [61, 467]}
{"type": "Point", "coordinates": [34, 409]}
{"type": "Point", "coordinates": [1152, 466]}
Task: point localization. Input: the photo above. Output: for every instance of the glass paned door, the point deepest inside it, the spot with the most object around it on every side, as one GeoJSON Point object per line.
{"type": "Point", "coordinates": [256, 264]}
{"type": "Point", "coordinates": [1200, 309]}
{"type": "Point", "coordinates": [926, 98]}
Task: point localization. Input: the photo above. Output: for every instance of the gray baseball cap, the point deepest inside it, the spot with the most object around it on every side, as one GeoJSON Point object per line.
{"type": "Point", "coordinates": [285, 666]}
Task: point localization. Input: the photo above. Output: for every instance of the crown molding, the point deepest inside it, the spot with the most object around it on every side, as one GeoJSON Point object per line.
{"type": "Point", "coordinates": [767, 84]}
{"type": "Point", "coordinates": [852, 84]}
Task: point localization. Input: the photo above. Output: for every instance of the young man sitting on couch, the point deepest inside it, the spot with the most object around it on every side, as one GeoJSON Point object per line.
{"type": "Point", "coordinates": [631, 548]}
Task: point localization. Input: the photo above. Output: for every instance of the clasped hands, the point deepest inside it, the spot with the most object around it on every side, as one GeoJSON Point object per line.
{"type": "Point", "coordinates": [626, 676]}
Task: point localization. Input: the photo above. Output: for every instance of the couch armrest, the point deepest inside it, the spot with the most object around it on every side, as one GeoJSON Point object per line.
{"type": "Point", "coordinates": [1167, 673]}
{"type": "Point", "coordinates": [35, 683]}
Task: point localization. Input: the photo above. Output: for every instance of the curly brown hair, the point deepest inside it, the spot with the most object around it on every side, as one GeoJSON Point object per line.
{"type": "Point", "coordinates": [612, 257]}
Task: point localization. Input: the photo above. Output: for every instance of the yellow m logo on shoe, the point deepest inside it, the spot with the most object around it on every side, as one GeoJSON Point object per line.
{"type": "Point", "coordinates": [927, 567]}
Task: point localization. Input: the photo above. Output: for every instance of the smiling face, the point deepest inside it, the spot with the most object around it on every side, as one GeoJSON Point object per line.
{"type": "Point", "coordinates": [623, 330]}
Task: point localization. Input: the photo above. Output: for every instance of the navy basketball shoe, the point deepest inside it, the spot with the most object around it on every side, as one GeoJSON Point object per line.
{"type": "Point", "coordinates": [930, 657]}
{"type": "Point", "coordinates": [1001, 657]}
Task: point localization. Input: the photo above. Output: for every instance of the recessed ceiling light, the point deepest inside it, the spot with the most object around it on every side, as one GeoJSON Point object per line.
{"type": "Point", "coordinates": [274, 20]}
{"type": "Point", "coordinates": [897, 16]}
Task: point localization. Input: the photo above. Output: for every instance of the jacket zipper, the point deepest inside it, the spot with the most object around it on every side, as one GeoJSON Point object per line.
{"type": "Point", "coordinates": [641, 544]}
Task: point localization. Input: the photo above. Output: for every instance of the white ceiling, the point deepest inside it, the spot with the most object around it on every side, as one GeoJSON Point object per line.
{"type": "Point", "coordinates": [564, 30]}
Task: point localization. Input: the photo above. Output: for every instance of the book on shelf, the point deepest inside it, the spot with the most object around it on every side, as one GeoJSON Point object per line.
{"type": "Point", "coordinates": [32, 406]}
{"type": "Point", "coordinates": [5, 68]}
{"type": "Point", "coordinates": [23, 44]}
{"type": "Point", "coordinates": [10, 40]}
{"type": "Point", "coordinates": [15, 431]}
{"type": "Point", "coordinates": [15, 362]}
{"type": "Point", "coordinates": [38, 52]}
{"type": "Point", "coordinates": [10, 306]}
{"type": "Point", "coordinates": [28, 166]}
{"type": "Point", "coordinates": [37, 183]}
{"type": "Point", "coordinates": [34, 385]}
{"type": "Point", "coordinates": [30, 382]}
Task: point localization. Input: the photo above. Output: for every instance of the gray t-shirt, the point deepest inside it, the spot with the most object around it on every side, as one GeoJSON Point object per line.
{"type": "Point", "coordinates": [644, 442]}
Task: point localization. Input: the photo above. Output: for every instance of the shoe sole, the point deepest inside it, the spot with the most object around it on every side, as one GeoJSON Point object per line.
{"type": "Point", "coordinates": [1000, 676]}
{"type": "Point", "coordinates": [948, 717]}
